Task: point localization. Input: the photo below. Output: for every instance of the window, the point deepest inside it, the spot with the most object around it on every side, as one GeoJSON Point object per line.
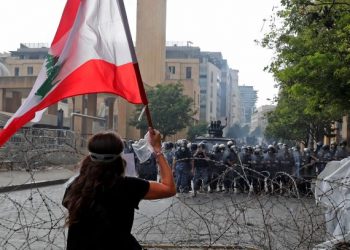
{"type": "Point", "coordinates": [171, 69]}
{"type": "Point", "coordinates": [188, 72]}
{"type": "Point", "coordinates": [16, 71]}
{"type": "Point", "coordinates": [30, 71]}
{"type": "Point", "coordinates": [211, 107]}
{"type": "Point", "coordinates": [211, 76]}
{"type": "Point", "coordinates": [34, 57]}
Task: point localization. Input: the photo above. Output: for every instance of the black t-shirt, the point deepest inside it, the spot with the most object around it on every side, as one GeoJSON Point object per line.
{"type": "Point", "coordinates": [107, 223]}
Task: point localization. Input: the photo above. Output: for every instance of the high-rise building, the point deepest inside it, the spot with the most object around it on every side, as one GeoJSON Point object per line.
{"type": "Point", "coordinates": [248, 98]}
{"type": "Point", "coordinates": [228, 96]}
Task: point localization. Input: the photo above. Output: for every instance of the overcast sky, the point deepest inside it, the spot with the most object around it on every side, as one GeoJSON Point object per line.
{"type": "Point", "coordinates": [227, 26]}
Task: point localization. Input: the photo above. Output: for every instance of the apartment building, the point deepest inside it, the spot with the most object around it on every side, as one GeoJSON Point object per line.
{"type": "Point", "coordinates": [182, 66]}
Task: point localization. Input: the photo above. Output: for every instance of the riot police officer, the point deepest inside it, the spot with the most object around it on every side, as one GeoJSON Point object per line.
{"type": "Point", "coordinates": [169, 152]}
{"type": "Point", "coordinates": [200, 169]}
{"type": "Point", "coordinates": [183, 167]}
{"type": "Point", "coordinates": [297, 161]}
{"type": "Point", "coordinates": [244, 177]}
{"type": "Point", "coordinates": [308, 171]}
{"type": "Point", "coordinates": [286, 166]}
{"type": "Point", "coordinates": [257, 167]}
{"type": "Point", "coordinates": [324, 156]}
{"type": "Point", "coordinates": [342, 151]}
{"type": "Point", "coordinates": [147, 170]}
{"type": "Point", "coordinates": [230, 159]}
{"type": "Point", "coordinates": [333, 149]}
{"type": "Point", "coordinates": [271, 165]}
{"type": "Point", "coordinates": [219, 168]}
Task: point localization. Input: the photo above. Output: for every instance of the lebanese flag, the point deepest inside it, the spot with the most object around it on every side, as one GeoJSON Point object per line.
{"type": "Point", "coordinates": [92, 52]}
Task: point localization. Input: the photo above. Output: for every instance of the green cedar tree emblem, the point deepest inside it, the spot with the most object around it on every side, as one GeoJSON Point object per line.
{"type": "Point", "coordinates": [52, 70]}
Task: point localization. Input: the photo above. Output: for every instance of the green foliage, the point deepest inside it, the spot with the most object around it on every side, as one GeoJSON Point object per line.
{"type": "Point", "coordinates": [170, 109]}
{"type": "Point", "coordinates": [199, 129]}
{"type": "Point", "coordinates": [311, 67]}
{"type": "Point", "coordinates": [298, 116]}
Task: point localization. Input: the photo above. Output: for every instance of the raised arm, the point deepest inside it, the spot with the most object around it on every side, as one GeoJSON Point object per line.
{"type": "Point", "coordinates": [166, 188]}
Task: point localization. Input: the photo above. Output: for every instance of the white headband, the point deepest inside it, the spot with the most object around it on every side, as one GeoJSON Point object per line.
{"type": "Point", "coordinates": [103, 157]}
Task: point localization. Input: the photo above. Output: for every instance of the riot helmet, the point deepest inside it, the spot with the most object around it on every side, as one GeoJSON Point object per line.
{"type": "Point", "coordinates": [193, 147]}
{"type": "Point", "coordinates": [222, 147]}
{"type": "Point", "coordinates": [271, 149]}
{"type": "Point", "coordinates": [202, 146]}
{"type": "Point", "coordinates": [216, 148]}
{"type": "Point", "coordinates": [170, 145]}
{"type": "Point", "coordinates": [343, 143]}
{"type": "Point", "coordinates": [230, 143]}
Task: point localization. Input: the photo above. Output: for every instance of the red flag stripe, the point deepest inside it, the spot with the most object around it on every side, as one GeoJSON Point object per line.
{"type": "Point", "coordinates": [93, 77]}
{"type": "Point", "coordinates": [67, 20]}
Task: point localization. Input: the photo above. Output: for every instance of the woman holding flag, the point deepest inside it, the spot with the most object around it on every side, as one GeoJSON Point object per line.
{"type": "Point", "coordinates": [101, 200]}
{"type": "Point", "coordinates": [92, 52]}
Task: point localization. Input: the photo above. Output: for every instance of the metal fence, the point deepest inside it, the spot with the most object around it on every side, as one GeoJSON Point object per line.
{"type": "Point", "coordinates": [37, 147]}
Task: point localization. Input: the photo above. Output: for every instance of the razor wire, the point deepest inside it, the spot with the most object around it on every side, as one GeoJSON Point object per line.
{"type": "Point", "coordinates": [283, 219]}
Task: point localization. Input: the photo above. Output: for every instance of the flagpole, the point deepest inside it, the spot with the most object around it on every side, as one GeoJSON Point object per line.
{"type": "Point", "coordinates": [149, 118]}
{"type": "Point", "coordinates": [143, 95]}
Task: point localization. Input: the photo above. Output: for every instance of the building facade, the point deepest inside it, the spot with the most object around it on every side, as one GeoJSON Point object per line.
{"type": "Point", "coordinates": [209, 82]}
{"type": "Point", "coordinates": [259, 119]}
{"type": "Point", "coordinates": [182, 66]}
{"type": "Point", "coordinates": [21, 69]}
{"type": "Point", "coordinates": [234, 102]}
{"type": "Point", "coordinates": [248, 98]}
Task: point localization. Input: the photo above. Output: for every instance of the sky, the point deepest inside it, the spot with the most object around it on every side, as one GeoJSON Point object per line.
{"type": "Point", "coordinates": [226, 26]}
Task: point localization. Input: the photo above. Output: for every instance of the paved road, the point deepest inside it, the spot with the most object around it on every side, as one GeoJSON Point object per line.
{"type": "Point", "coordinates": [18, 180]}
{"type": "Point", "coordinates": [33, 219]}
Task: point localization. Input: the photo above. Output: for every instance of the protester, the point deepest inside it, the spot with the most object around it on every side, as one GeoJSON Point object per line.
{"type": "Point", "coordinates": [101, 200]}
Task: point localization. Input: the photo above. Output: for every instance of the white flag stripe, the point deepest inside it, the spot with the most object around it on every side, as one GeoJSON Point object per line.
{"type": "Point", "coordinates": [98, 23]}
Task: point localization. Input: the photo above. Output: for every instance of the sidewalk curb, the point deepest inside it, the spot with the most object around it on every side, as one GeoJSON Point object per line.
{"type": "Point", "coordinates": [13, 188]}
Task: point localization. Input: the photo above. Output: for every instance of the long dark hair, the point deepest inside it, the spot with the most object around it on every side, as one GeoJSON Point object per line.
{"type": "Point", "coordinates": [94, 174]}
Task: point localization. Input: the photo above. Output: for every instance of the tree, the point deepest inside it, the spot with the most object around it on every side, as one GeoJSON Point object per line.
{"type": "Point", "coordinates": [313, 48]}
{"type": "Point", "coordinates": [197, 130]}
{"type": "Point", "coordinates": [170, 109]}
{"type": "Point", "coordinates": [311, 66]}
{"type": "Point", "coordinates": [298, 117]}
